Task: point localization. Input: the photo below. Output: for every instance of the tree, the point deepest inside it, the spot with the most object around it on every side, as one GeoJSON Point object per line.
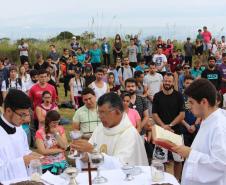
{"type": "Point", "coordinates": [64, 35]}
{"type": "Point", "coordinates": [88, 35]}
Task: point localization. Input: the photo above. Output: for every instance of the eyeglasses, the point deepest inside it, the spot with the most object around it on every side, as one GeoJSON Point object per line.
{"type": "Point", "coordinates": [169, 74]}
{"type": "Point", "coordinates": [104, 113]}
{"type": "Point", "coordinates": [146, 71]}
{"type": "Point", "coordinates": [186, 67]}
{"type": "Point", "coordinates": [23, 116]}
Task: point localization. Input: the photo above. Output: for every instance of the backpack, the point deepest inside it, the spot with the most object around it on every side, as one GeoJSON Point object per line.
{"type": "Point", "coordinates": [8, 83]}
{"type": "Point", "coordinates": [122, 69]}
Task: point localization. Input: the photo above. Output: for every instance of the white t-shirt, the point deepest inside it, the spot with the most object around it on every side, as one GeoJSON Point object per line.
{"type": "Point", "coordinates": [78, 86]}
{"type": "Point", "coordinates": [127, 73]}
{"type": "Point", "coordinates": [213, 49]}
{"type": "Point", "coordinates": [13, 84]}
{"type": "Point", "coordinates": [159, 59]}
{"type": "Point", "coordinates": [29, 85]}
{"type": "Point", "coordinates": [25, 52]}
{"type": "Point", "coordinates": [153, 83]}
{"type": "Point", "coordinates": [99, 91]}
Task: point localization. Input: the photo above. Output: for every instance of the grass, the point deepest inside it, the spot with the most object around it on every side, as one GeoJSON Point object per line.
{"type": "Point", "coordinates": [65, 112]}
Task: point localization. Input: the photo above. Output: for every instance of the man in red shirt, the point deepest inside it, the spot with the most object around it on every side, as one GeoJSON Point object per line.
{"type": "Point", "coordinates": [173, 61]}
{"type": "Point", "coordinates": [207, 36]}
{"type": "Point", "coordinates": [36, 91]}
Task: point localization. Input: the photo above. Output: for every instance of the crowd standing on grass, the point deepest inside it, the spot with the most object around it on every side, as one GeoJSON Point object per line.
{"type": "Point", "coordinates": [149, 81]}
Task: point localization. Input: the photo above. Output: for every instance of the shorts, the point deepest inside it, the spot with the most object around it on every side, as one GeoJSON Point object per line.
{"type": "Point", "coordinates": [165, 156]}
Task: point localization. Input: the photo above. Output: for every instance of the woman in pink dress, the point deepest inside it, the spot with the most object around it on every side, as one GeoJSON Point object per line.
{"type": "Point", "coordinates": [132, 113]}
{"type": "Point", "coordinates": [51, 142]}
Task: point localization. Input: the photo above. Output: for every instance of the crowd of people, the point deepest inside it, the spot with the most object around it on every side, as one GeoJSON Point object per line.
{"type": "Point", "coordinates": [116, 103]}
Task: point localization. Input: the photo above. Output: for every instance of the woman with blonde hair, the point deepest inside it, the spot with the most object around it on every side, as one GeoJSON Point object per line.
{"type": "Point", "coordinates": [196, 71]}
{"type": "Point", "coordinates": [23, 75]}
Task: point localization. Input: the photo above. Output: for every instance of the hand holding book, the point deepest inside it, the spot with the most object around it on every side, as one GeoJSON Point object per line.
{"type": "Point", "coordinates": [166, 138]}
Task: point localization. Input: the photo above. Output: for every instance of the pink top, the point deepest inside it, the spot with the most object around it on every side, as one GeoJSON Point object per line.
{"type": "Point", "coordinates": [50, 142]}
{"type": "Point", "coordinates": [44, 110]}
{"type": "Point", "coordinates": [206, 36]}
{"type": "Point", "coordinates": [133, 116]}
{"type": "Point", "coordinates": [36, 91]}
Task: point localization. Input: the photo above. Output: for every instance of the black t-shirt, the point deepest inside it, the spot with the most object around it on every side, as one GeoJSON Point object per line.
{"type": "Point", "coordinates": [89, 80]}
{"type": "Point", "coordinates": [74, 67]}
{"type": "Point", "coordinates": [168, 107]}
{"type": "Point", "coordinates": [44, 65]}
{"type": "Point", "coordinates": [64, 59]}
{"type": "Point", "coordinates": [213, 76]}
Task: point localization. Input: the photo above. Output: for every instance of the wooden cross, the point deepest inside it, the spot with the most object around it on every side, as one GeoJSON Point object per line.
{"type": "Point", "coordinates": [89, 169]}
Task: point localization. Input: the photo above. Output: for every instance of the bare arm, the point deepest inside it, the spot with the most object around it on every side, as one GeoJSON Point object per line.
{"type": "Point", "coordinates": [75, 125]}
{"type": "Point", "coordinates": [145, 93]}
{"type": "Point", "coordinates": [158, 120]}
{"type": "Point", "coordinates": [149, 96]}
{"type": "Point", "coordinates": [178, 119]}
{"type": "Point", "coordinates": [162, 66]}
{"type": "Point", "coordinates": [185, 124]}
{"type": "Point", "coordinates": [40, 116]}
{"type": "Point", "coordinates": [145, 119]}
{"type": "Point", "coordinates": [121, 80]}
{"type": "Point", "coordinates": [62, 140]}
{"type": "Point", "coordinates": [72, 91]}
{"type": "Point", "coordinates": [71, 72]}
{"type": "Point", "coordinates": [138, 125]}
{"type": "Point", "coordinates": [44, 151]}
{"type": "Point", "coordinates": [4, 93]}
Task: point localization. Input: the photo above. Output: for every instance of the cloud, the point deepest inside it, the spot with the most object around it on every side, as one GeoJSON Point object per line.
{"type": "Point", "coordinates": [70, 14]}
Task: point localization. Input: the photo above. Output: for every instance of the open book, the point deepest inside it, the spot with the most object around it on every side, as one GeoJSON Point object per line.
{"type": "Point", "coordinates": [165, 138]}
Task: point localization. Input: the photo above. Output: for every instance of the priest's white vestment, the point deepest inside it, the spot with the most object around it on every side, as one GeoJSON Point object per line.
{"type": "Point", "coordinates": [121, 144]}
{"type": "Point", "coordinates": [12, 149]}
{"type": "Point", "coordinates": [206, 163]}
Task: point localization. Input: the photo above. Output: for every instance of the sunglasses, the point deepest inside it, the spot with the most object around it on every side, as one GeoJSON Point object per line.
{"type": "Point", "coordinates": [169, 74]}
{"type": "Point", "coordinates": [186, 67]}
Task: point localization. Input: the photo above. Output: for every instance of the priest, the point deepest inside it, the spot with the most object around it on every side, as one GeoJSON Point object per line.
{"type": "Point", "coordinates": [117, 139]}
{"type": "Point", "coordinates": [14, 151]}
{"type": "Point", "coordinates": [206, 158]}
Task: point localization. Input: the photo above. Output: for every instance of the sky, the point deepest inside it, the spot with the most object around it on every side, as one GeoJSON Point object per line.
{"type": "Point", "coordinates": [171, 19]}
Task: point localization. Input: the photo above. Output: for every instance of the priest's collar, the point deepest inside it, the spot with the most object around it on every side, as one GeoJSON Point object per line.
{"type": "Point", "coordinates": [8, 127]}
{"type": "Point", "coordinates": [120, 128]}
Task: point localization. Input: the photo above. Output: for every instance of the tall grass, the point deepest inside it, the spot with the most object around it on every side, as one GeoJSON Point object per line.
{"type": "Point", "coordinates": [10, 49]}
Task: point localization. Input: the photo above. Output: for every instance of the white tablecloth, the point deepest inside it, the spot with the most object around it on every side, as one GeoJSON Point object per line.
{"type": "Point", "coordinates": [116, 177]}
